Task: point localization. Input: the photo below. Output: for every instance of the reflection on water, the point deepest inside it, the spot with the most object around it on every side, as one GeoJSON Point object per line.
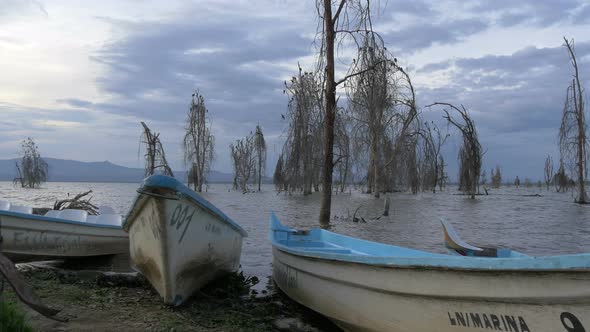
{"type": "Point", "coordinates": [550, 224]}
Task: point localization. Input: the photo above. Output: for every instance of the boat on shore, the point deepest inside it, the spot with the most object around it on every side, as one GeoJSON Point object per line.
{"type": "Point", "coordinates": [59, 234]}
{"type": "Point", "coordinates": [178, 240]}
{"type": "Point", "coordinates": [369, 286]}
{"type": "Point", "coordinates": [457, 246]}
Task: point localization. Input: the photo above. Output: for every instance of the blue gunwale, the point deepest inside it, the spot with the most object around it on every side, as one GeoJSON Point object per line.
{"type": "Point", "coordinates": [322, 244]}
{"type": "Point", "coordinates": [55, 220]}
{"type": "Point", "coordinates": [167, 182]}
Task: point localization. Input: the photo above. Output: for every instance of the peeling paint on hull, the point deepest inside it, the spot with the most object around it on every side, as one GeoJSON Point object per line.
{"type": "Point", "coordinates": [179, 245]}
{"type": "Point", "coordinates": [30, 237]}
{"type": "Point", "coordinates": [349, 295]}
{"type": "Point", "coordinates": [369, 286]}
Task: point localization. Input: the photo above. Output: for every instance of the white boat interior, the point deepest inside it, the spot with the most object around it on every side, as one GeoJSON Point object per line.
{"type": "Point", "coordinates": [107, 215]}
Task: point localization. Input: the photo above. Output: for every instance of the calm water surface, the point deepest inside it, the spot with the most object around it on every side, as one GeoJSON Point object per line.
{"type": "Point", "coordinates": [546, 225]}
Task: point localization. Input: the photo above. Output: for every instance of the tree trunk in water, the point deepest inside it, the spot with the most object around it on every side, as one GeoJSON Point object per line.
{"type": "Point", "coordinates": [581, 140]}
{"type": "Point", "coordinates": [435, 177]}
{"type": "Point", "coordinates": [330, 93]}
{"type": "Point", "coordinates": [259, 171]}
{"type": "Point", "coordinates": [374, 157]}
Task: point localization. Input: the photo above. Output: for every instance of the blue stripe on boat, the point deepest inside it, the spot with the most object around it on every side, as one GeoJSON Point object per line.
{"type": "Point", "coordinates": [167, 182]}
{"type": "Point", "coordinates": [57, 220]}
{"type": "Point", "coordinates": [319, 243]}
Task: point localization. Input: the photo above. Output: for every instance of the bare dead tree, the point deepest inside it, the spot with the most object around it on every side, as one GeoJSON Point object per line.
{"type": "Point", "coordinates": [560, 180]}
{"type": "Point", "coordinates": [302, 150]}
{"type": "Point", "coordinates": [18, 179]}
{"type": "Point", "coordinates": [573, 144]}
{"type": "Point", "coordinates": [371, 96]}
{"type": "Point", "coordinates": [548, 171]}
{"type": "Point", "coordinates": [155, 158]}
{"type": "Point", "coordinates": [260, 149]}
{"type": "Point", "coordinates": [243, 155]}
{"type": "Point", "coordinates": [496, 177]}
{"type": "Point", "coordinates": [31, 169]}
{"type": "Point", "coordinates": [402, 134]}
{"type": "Point", "coordinates": [433, 141]}
{"type": "Point", "coordinates": [483, 178]}
{"type": "Point", "coordinates": [470, 153]}
{"type": "Point", "coordinates": [351, 19]}
{"type": "Point", "coordinates": [278, 177]}
{"type": "Point", "coordinates": [443, 177]}
{"type": "Point", "coordinates": [198, 142]}
{"type": "Point", "coordinates": [342, 151]}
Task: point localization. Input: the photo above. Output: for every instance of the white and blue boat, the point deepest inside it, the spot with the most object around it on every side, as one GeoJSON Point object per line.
{"type": "Point", "coordinates": [59, 234]}
{"type": "Point", "coordinates": [178, 240]}
{"type": "Point", "coordinates": [457, 246]}
{"type": "Point", "coordinates": [369, 286]}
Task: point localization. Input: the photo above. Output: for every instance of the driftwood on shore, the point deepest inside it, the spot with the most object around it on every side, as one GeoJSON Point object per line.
{"type": "Point", "coordinates": [77, 203]}
{"type": "Point", "coordinates": [24, 292]}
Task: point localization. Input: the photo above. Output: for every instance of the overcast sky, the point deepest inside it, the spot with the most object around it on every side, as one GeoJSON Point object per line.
{"type": "Point", "coordinates": [79, 79]}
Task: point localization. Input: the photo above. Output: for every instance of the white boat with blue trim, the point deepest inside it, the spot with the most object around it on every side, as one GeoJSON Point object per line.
{"type": "Point", "coordinates": [369, 286]}
{"type": "Point", "coordinates": [59, 234]}
{"type": "Point", "coordinates": [178, 240]}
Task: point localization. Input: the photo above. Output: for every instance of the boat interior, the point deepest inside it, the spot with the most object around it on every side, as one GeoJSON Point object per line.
{"type": "Point", "coordinates": [457, 246]}
{"type": "Point", "coordinates": [319, 243]}
{"type": "Point", "coordinates": [106, 216]}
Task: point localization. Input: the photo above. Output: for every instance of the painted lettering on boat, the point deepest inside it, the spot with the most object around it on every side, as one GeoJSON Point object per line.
{"type": "Point", "coordinates": [181, 216]}
{"type": "Point", "coordinates": [285, 275]}
{"type": "Point", "coordinates": [488, 321]}
{"type": "Point", "coordinates": [571, 322]}
{"type": "Point", "coordinates": [150, 220]}
{"type": "Point", "coordinates": [211, 228]}
{"type": "Point", "coordinates": [42, 241]}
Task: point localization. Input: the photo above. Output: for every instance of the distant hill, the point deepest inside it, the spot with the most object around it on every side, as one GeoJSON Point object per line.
{"type": "Point", "coordinates": [61, 170]}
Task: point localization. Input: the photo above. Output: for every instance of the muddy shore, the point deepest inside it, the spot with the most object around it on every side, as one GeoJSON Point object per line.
{"type": "Point", "coordinates": [92, 302]}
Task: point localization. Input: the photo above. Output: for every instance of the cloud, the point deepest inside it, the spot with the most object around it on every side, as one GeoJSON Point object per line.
{"type": "Point", "coordinates": [424, 35]}
{"type": "Point", "coordinates": [238, 53]}
{"type": "Point", "coordinates": [512, 98]}
{"type": "Point", "coordinates": [532, 12]}
{"type": "Point", "coordinates": [73, 102]}
{"type": "Point", "coordinates": [20, 8]}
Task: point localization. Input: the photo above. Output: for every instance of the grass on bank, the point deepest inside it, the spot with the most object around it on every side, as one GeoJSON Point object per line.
{"type": "Point", "coordinates": [11, 318]}
{"type": "Point", "coordinates": [227, 304]}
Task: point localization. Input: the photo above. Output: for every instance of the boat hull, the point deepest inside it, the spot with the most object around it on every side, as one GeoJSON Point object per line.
{"type": "Point", "coordinates": [364, 297]}
{"type": "Point", "coordinates": [29, 237]}
{"type": "Point", "coordinates": [180, 246]}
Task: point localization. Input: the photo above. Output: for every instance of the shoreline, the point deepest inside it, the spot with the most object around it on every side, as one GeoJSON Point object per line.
{"type": "Point", "coordinates": [91, 302]}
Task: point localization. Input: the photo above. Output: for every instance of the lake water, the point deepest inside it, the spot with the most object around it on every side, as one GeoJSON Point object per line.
{"type": "Point", "coordinates": [546, 225]}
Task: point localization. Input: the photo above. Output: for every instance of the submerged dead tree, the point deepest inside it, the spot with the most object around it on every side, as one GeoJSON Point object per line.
{"type": "Point", "coordinates": [573, 144]}
{"type": "Point", "coordinates": [198, 143]}
{"type": "Point", "coordinates": [31, 169]}
{"type": "Point", "coordinates": [155, 158]}
{"type": "Point", "coordinates": [496, 177]}
{"type": "Point", "coordinates": [301, 155]}
{"type": "Point", "coordinates": [548, 171]}
{"type": "Point", "coordinates": [260, 149]}
{"type": "Point", "coordinates": [243, 156]}
{"type": "Point", "coordinates": [371, 95]}
{"type": "Point", "coordinates": [278, 178]}
{"type": "Point", "coordinates": [470, 154]}
{"type": "Point", "coordinates": [403, 157]}
{"type": "Point", "coordinates": [560, 180]}
{"type": "Point", "coordinates": [432, 161]}
{"type": "Point", "coordinates": [350, 19]}
{"type": "Point", "coordinates": [342, 152]}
